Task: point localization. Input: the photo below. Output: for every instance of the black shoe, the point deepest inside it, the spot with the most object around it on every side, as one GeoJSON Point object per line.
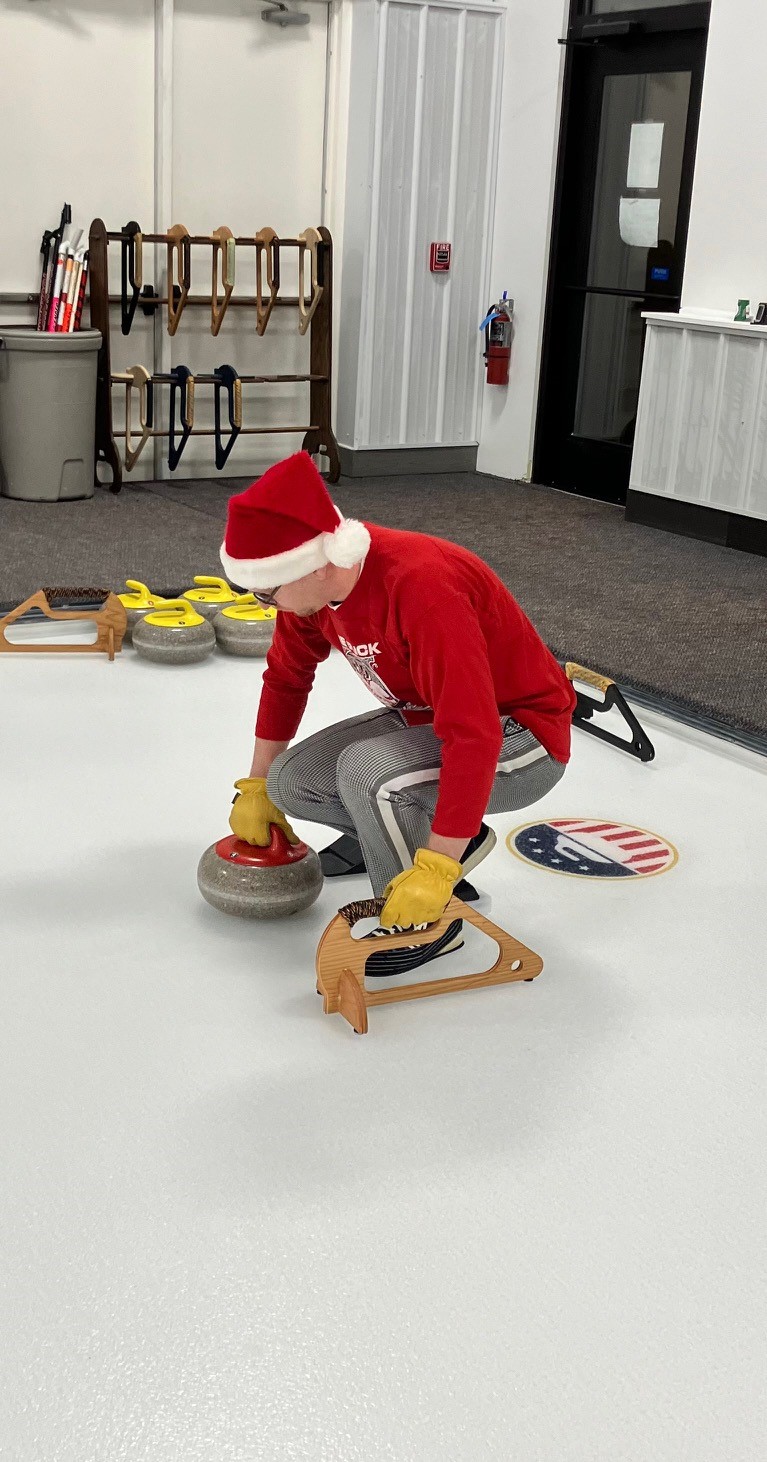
{"type": "Point", "coordinates": [399, 961]}
{"type": "Point", "coordinates": [343, 858]}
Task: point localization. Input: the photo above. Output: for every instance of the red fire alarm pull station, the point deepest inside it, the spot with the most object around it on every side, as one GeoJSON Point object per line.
{"type": "Point", "coordinates": [439, 259]}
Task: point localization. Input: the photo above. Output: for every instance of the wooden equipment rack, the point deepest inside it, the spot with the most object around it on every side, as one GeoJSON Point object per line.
{"type": "Point", "coordinates": [314, 304]}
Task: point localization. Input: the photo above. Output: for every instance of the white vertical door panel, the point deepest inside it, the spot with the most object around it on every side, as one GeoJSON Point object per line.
{"type": "Point", "coordinates": [477, 154]}
{"type": "Point", "coordinates": [392, 206]}
{"type": "Point", "coordinates": [422, 325]}
{"type": "Point", "coordinates": [435, 142]}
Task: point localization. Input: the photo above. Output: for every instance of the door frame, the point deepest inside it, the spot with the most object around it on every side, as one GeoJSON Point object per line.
{"type": "Point", "coordinates": [618, 31]}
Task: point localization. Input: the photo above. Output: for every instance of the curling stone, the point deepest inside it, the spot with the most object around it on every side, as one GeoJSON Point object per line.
{"type": "Point", "coordinates": [245, 628]}
{"type": "Point", "coordinates": [136, 605]}
{"type": "Point", "coordinates": [211, 595]}
{"type": "Point", "coordinates": [173, 634]}
{"type": "Point", "coordinates": [260, 883]}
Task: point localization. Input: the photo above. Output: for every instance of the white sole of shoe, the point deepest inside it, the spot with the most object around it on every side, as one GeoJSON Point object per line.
{"type": "Point", "coordinates": [480, 853]}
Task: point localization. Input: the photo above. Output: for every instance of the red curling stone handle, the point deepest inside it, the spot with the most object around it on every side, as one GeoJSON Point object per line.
{"type": "Point", "coordinates": [279, 852]}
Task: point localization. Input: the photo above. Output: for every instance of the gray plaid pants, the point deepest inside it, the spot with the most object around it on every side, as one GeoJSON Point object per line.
{"type": "Point", "coordinates": [378, 778]}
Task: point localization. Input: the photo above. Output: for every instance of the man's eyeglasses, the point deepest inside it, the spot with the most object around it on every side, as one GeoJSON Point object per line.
{"type": "Point", "coordinates": [265, 597]}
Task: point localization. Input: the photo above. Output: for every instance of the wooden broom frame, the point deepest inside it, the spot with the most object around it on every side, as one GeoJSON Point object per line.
{"type": "Point", "coordinates": [110, 621]}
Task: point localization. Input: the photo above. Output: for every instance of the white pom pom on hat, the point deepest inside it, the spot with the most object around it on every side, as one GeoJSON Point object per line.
{"type": "Point", "coordinates": [285, 526]}
{"type": "Point", "coordinates": [348, 544]}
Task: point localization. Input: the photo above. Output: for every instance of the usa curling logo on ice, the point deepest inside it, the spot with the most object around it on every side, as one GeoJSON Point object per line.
{"type": "Point", "coordinates": [585, 848]}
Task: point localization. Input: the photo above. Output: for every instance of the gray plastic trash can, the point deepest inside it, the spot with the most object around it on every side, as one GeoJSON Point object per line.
{"type": "Point", "coordinates": [47, 413]}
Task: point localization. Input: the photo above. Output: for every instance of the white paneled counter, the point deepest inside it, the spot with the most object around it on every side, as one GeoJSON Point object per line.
{"type": "Point", "coordinates": [701, 434]}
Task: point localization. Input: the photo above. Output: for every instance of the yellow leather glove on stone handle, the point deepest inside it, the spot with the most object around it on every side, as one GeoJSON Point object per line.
{"type": "Point", "coordinates": [421, 894]}
{"type": "Point", "coordinates": [254, 813]}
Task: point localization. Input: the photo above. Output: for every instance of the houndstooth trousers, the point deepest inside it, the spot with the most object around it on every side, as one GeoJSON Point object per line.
{"type": "Point", "coordinates": [378, 778]}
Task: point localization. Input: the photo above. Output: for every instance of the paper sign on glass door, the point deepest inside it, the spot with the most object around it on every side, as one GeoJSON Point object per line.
{"type": "Point", "coordinates": [638, 222]}
{"type": "Point", "coordinates": [644, 155]}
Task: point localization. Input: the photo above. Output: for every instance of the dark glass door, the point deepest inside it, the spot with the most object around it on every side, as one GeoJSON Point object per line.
{"type": "Point", "coordinates": [625, 179]}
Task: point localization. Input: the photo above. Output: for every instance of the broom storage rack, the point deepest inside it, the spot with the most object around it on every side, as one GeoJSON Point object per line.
{"type": "Point", "coordinates": [228, 257]}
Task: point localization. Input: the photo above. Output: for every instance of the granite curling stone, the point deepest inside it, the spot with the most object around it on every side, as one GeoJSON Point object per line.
{"type": "Point", "coordinates": [245, 628]}
{"type": "Point", "coordinates": [174, 634]}
{"type": "Point", "coordinates": [260, 883]}
{"type": "Point", "coordinates": [136, 604]}
{"type": "Point", "coordinates": [210, 596]}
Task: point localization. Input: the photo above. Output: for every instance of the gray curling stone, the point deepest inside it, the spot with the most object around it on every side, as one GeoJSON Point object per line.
{"type": "Point", "coordinates": [136, 604]}
{"type": "Point", "coordinates": [174, 634]}
{"type": "Point", "coordinates": [133, 617]}
{"type": "Point", "coordinates": [245, 629]}
{"type": "Point", "coordinates": [210, 596]}
{"type": "Point", "coordinates": [260, 883]}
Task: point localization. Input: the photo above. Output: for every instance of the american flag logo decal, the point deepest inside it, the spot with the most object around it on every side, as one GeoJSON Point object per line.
{"type": "Point", "coordinates": [588, 848]}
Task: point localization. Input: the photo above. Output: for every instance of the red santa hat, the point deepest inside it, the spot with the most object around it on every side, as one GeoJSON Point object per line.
{"type": "Point", "coordinates": [285, 526]}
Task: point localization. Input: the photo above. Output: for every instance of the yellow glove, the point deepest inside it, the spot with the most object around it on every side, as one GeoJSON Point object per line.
{"type": "Point", "coordinates": [254, 812]}
{"type": "Point", "coordinates": [420, 894]}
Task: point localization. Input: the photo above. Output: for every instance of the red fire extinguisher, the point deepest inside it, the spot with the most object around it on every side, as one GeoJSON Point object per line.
{"type": "Point", "coordinates": [497, 326]}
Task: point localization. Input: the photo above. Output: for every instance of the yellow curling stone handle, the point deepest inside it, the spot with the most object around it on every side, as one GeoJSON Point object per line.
{"type": "Point", "coordinates": [140, 598]}
{"type": "Point", "coordinates": [210, 591]}
{"type": "Point", "coordinates": [588, 677]}
{"type": "Point", "coordinates": [174, 614]}
{"type": "Point", "coordinates": [247, 610]}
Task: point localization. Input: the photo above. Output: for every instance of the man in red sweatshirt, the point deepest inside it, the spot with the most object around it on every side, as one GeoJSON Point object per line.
{"type": "Point", "coordinates": [475, 714]}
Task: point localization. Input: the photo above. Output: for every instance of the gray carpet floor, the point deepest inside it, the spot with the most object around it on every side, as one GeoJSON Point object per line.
{"type": "Point", "coordinates": [686, 621]}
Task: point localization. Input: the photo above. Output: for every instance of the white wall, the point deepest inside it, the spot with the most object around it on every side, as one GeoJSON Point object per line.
{"type": "Point", "coordinates": [244, 121]}
{"type": "Point", "coordinates": [533, 68]}
{"type": "Point", "coordinates": [727, 242]}
{"type": "Point", "coordinates": [248, 120]}
{"type": "Point", "coordinates": [76, 122]}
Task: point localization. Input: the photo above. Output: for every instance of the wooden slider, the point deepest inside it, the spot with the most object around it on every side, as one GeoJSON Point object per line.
{"type": "Point", "coordinates": [341, 961]}
{"type": "Point", "coordinates": [224, 249]}
{"type": "Point", "coordinates": [310, 239]}
{"type": "Point", "coordinates": [179, 273]}
{"type": "Point", "coordinates": [136, 378]}
{"type": "Point", "coordinates": [267, 246]}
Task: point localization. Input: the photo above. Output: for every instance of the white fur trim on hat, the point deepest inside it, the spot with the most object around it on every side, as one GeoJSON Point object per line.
{"type": "Point", "coordinates": [345, 547]}
{"type": "Point", "coordinates": [280, 568]}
